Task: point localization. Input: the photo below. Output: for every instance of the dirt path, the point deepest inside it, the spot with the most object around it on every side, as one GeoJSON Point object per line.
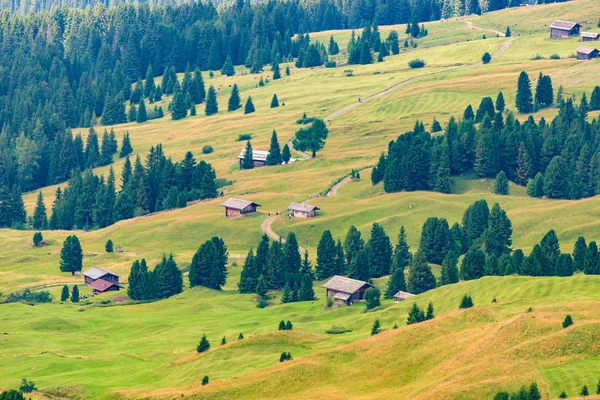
{"type": "Point", "coordinates": [303, 154]}
{"type": "Point", "coordinates": [334, 189]}
{"type": "Point", "coordinates": [349, 107]}
{"type": "Point", "coordinates": [266, 228]}
{"type": "Point", "coordinates": [470, 25]}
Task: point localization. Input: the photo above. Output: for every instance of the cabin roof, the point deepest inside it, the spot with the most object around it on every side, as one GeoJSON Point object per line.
{"type": "Point", "coordinates": [590, 34]}
{"type": "Point", "coordinates": [101, 285]}
{"type": "Point", "coordinates": [238, 204]}
{"type": "Point", "coordinates": [257, 155]}
{"type": "Point", "coordinates": [563, 25]}
{"type": "Point", "coordinates": [345, 285]}
{"type": "Point", "coordinates": [96, 273]}
{"type": "Point", "coordinates": [586, 49]}
{"type": "Point", "coordinates": [301, 207]}
{"type": "Point", "coordinates": [403, 295]}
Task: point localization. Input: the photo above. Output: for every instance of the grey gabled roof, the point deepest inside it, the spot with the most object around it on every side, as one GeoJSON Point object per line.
{"type": "Point", "coordinates": [403, 295]}
{"type": "Point", "coordinates": [302, 207]}
{"type": "Point", "coordinates": [563, 25]}
{"type": "Point", "coordinates": [238, 204]}
{"type": "Point", "coordinates": [585, 49]}
{"type": "Point", "coordinates": [96, 273]}
{"type": "Point", "coordinates": [343, 284]}
{"type": "Point", "coordinates": [590, 34]}
{"type": "Point", "coordinates": [257, 155]}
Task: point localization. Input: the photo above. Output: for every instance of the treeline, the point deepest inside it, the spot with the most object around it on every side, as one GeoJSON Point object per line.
{"type": "Point", "coordinates": [90, 201]}
{"type": "Point", "coordinates": [360, 48]}
{"type": "Point", "coordinates": [558, 160]}
{"type": "Point", "coordinates": [164, 281]}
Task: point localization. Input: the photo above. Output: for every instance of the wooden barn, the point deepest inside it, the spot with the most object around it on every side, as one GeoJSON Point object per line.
{"type": "Point", "coordinates": [563, 29]}
{"type": "Point", "coordinates": [401, 296]}
{"type": "Point", "coordinates": [101, 280]}
{"type": "Point", "coordinates": [589, 36]}
{"type": "Point", "coordinates": [258, 156]}
{"type": "Point", "coordinates": [586, 53]}
{"type": "Point", "coordinates": [301, 210]}
{"type": "Point", "coordinates": [237, 207]}
{"type": "Point", "coordinates": [346, 289]}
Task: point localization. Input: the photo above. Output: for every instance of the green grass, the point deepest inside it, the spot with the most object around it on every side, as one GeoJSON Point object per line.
{"type": "Point", "coordinates": [148, 349]}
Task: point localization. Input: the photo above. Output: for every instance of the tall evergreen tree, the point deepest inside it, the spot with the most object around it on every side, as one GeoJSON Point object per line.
{"type": "Point", "coordinates": [274, 157]}
{"type": "Point", "coordinates": [524, 100]}
{"type": "Point", "coordinates": [379, 251]}
{"type": "Point", "coordinates": [227, 68]}
{"type": "Point", "coordinates": [248, 160]}
{"type": "Point", "coordinates": [142, 115]}
{"type": "Point", "coordinates": [71, 255]}
{"type": "Point", "coordinates": [274, 101]}
{"type": "Point", "coordinates": [420, 277]}
{"type": "Point", "coordinates": [40, 219]}
{"type": "Point", "coordinates": [212, 107]}
{"type": "Point", "coordinates": [249, 106]}
{"type": "Point", "coordinates": [579, 253]}
{"type": "Point", "coordinates": [326, 255]}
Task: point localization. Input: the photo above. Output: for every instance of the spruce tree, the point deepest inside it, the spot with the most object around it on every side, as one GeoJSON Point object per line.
{"type": "Point", "coordinates": [307, 292]}
{"type": "Point", "coordinates": [248, 160]}
{"type": "Point", "coordinates": [556, 179]}
{"type": "Point", "coordinates": [40, 219]}
{"type": "Point", "coordinates": [126, 148]}
{"type": "Point", "coordinates": [249, 274]}
{"type": "Point", "coordinates": [501, 184]}
{"type": "Point", "coordinates": [524, 100]}
{"type": "Point", "coordinates": [379, 251]}
{"type": "Point", "coordinates": [473, 264]}
{"type": "Point", "coordinates": [274, 101]}
{"type": "Point", "coordinates": [234, 99]}
{"type": "Point", "coordinates": [75, 294]}
{"type": "Point", "coordinates": [179, 106]}
{"type": "Point", "coordinates": [579, 254]}
{"type": "Point", "coordinates": [204, 345]}
{"type": "Point", "coordinates": [64, 295]}
{"type": "Point", "coordinates": [249, 106]}
{"type": "Point", "coordinates": [212, 107]}
{"type": "Point", "coordinates": [274, 157]}
{"type": "Point", "coordinates": [500, 105]}
{"type": "Point", "coordinates": [71, 255]}
{"type": "Point", "coordinates": [376, 327]}
{"type": "Point", "coordinates": [420, 277]}
{"type": "Point", "coordinates": [507, 34]}
{"type": "Point", "coordinates": [326, 255]}
{"type": "Point", "coordinates": [415, 315]}
{"type": "Point", "coordinates": [276, 70]}
{"type": "Point", "coordinates": [466, 302]}
{"type": "Point", "coordinates": [430, 312]}
{"type": "Point", "coordinates": [396, 283]}
{"type": "Point", "coordinates": [149, 86]}
{"type": "Point", "coordinates": [142, 116]}
{"type": "Point", "coordinates": [228, 68]}
{"type": "Point", "coordinates": [468, 113]}
{"type": "Point", "coordinates": [285, 154]}
{"type": "Point", "coordinates": [450, 269]}
{"type": "Point", "coordinates": [108, 247]}
{"type": "Point", "coordinates": [353, 243]}
{"type": "Point", "coordinates": [287, 70]}
{"type": "Point", "coordinates": [360, 267]}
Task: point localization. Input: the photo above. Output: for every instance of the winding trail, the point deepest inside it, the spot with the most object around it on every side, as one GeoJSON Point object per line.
{"type": "Point", "coordinates": [476, 28]}
{"type": "Point", "coordinates": [266, 227]}
{"type": "Point", "coordinates": [334, 189]}
{"type": "Point", "coordinates": [304, 155]}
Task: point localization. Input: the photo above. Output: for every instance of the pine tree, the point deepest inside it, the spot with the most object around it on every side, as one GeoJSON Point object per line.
{"type": "Point", "coordinates": [466, 302]}
{"type": "Point", "coordinates": [420, 277]}
{"type": "Point", "coordinates": [500, 105]}
{"type": "Point", "coordinates": [353, 243]}
{"type": "Point", "coordinates": [326, 256]}
{"type": "Point", "coordinates": [579, 253]}
{"type": "Point", "coordinates": [507, 34]}
{"type": "Point", "coordinates": [450, 269]}
{"type": "Point", "coordinates": [276, 70]}
{"type": "Point", "coordinates": [274, 101]}
{"type": "Point", "coordinates": [40, 219]}
{"type": "Point", "coordinates": [212, 107]}
{"type": "Point", "coordinates": [306, 292]}
{"type": "Point", "coordinates": [75, 294]}
{"type": "Point", "coordinates": [289, 327]}
{"type": "Point", "coordinates": [274, 157]}
{"type": "Point", "coordinates": [376, 327]}
{"type": "Point", "coordinates": [249, 106]}
{"type": "Point", "coordinates": [108, 247]}
{"type": "Point", "coordinates": [64, 295]}
{"type": "Point", "coordinates": [248, 161]}
{"type": "Point", "coordinates": [249, 274]}
{"type": "Point", "coordinates": [71, 255]}
{"type": "Point", "coordinates": [179, 105]}
{"type": "Point", "coordinates": [556, 179]}
{"type": "Point", "coordinates": [287, 70]}
{"type": "Point", "coordinates": [360, 267]}
{"type": "Point", "coordinates": [473, 264]}
{"type": "Point", "coordinates": [468, 114]}
{"type": "Point", "coordinates": [227, 68]}
{"type": "Point", "coordinates": [285, 154]}
{"type": "Point", "coordinates": [126, 148]}
{"type": "Point", "coordinates": [396, 283]}
{"type": "Point", "coordinates": [234, 99]}
{"type": "Point", "coordinates": [149, 86]}
{"type": "Point", "coordinates": [415, 315]}
{"type": "Point", "coordinates": [584, 392]}
{"type": "Point", "coordinates": [204, 345]}
{"type": "Point", "coordinates": [501, 184]}
{"type": "Point", "coordinates": [430, 313]}
{"type": "Point", "coordinates": [524, 100]}
{"type": "Point", "coordinates": [205, 380]}
{"type": "Point", "coordinates": [379, 251]}
{"type": "Point", "coordinates": [142, 116]}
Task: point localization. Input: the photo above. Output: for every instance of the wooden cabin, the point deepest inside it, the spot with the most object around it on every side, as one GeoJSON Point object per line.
{"type": "Point", "coordinates": [346, 289]}
{"type": "Point", "coordinates": [259, 157]}
{"type": "Point", "coordinates": [101, 280]}
{"type": "Point", "coordinates": [563, 29]}
{"type": "Point", "coordinates": [237, 207]}
{"type": "Point", "coordinates": [587, 53]}
{"type": "Point", "coordinates": [589, 36]}
{"type": "Point", "coordinates": [301, 210]}
{"type": "Point", "coordinates": [401, 296]}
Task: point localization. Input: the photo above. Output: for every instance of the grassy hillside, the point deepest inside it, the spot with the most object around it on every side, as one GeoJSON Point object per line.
{"type": "Point", "coordinates": [93, 350]}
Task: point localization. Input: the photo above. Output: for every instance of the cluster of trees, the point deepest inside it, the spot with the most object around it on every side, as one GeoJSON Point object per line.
{"type": "Point", "coordinates": [560, 159]}
{"type": "Point", "coordinates": [309, 54]}
{"type": "Point", "coordinates": [277, 265]}
{"type": "Point", "coordinates": [209, 265]}
{"type": "Point", "coordinates": [90, 201]}
{"type": "Point", "coordinates": [544, 93]}
{"type": "Point", "coordinates": [276, 156]}
{"type": "Point", "coordinates": [165, 280]}
{"type": "Point", "coordinates": [186, 95]}
{"type": "Point", "coordinates": [416, 314]}
{"type": "Point", "coordinates": [360, 48]}
{"type": "Point", "coordinates": [533, 393]}
{"type": "Point", "coordinates": [27, 296]}
{"type": "Point", "coordinates": [74, 295]}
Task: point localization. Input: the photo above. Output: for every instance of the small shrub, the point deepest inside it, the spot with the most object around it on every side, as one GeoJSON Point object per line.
{"type": "Point", "coordinates": [555, 57]}
{"type": "Point", "coordinates": [416, 63]}
{"type": "Point", "coordinates": [240, 336]}
{"type": "Point", "coordinates": [376, 327]}
{"type": "Point", "coordinates": [204, 345]}
{"type": "Point", "coordinates": [243, 137]}
{"type": "Point", "coordinates": [283, 357]}
{"type": "Point", "coordinates": [27, 386]}
{"type": "Point", "coordinates": [329, 301]}
{"type": "Point", "coordinates": [207, 149]}
{"type": "Point", "coordinates": [466, 302]}
{"type": "Point", "coordinates": [205, 380]}
{"type": "Point", "coordinates": [584, 391]}
{"type": "Point", "coordinates": [37, 239]}
{"type": "Point", "coordinates": [108, 246]}
{"type": "Point", "coordinates": [537, 57]}
{"type": "Point", "coordinates": [289, 326]}
{"type": "Point", "coordinates": [486, 58]}
{"type": "Point", "coordinates": [223, 341]}
{"type": "Point", "coordinates": [338, 330]}
{"type": "Point", "coordinates": [281, 325]}
{"type": "Point", "coordinates": [568, 321]}
{"type": "Point", "coordinates": [530, 309]}
{"type": "Point", "coordinates": [563, 395]}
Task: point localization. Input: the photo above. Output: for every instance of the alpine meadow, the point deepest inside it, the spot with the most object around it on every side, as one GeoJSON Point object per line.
{"type": "Point", "coordinates": [315, 199]}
